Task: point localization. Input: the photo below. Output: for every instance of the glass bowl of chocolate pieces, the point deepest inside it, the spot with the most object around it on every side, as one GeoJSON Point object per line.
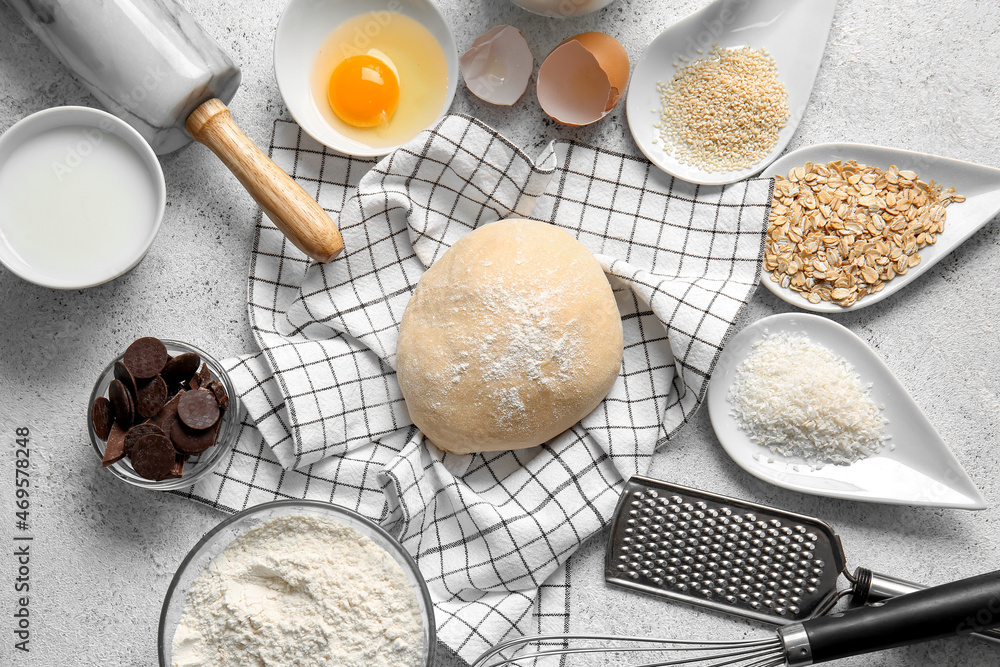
{"type": "Point", "coordinates": [162, 414]}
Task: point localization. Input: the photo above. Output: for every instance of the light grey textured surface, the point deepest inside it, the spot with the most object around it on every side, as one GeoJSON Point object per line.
{"type": "Point", "coordinates": [904, 74]}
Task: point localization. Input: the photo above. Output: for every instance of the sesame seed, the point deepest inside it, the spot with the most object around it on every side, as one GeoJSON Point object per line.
{"type": "Point", "coordinates": [723, 112]}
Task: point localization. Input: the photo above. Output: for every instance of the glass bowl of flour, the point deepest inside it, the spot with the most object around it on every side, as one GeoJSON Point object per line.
{"type": "Point", "coordinates": [297, 582]}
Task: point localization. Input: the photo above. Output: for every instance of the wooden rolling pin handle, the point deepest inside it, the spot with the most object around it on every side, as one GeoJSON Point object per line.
{"type": "Point", "coordinates": [295, 213]}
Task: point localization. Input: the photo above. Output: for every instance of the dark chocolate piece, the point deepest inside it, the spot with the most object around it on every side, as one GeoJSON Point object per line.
{"type": "Point", "coordinates": [181, 368]}
{"type": "Point", "coordinates": [123, 375]}
{"type": "Point", "coordinates": [204, 375]}
{"type": "Point", "coordinates": [153, 456]}
{"type": "Point", "coordinates": [191, 441]}
{"type": "Point", "coordinates": [151, 397]}
{"type": "Point", "coordinates": [221, 396]}
{"type": "Point", "coordinates": [168, 414]}
{"type": "Point", "coordinates": [145, 357]}
{"type": "Point", "coordinates": [121, 401]}
{"type": "Point", "coordinates": [139, 430]}
{"type": "Point", "coordinates": [115, 451]}
{"type": "Point", "coordinates": [178, 470]}
{"type": "Point", "coordinates": [198, 409]}
{"type": "Point", "coordinates": [102, 415]}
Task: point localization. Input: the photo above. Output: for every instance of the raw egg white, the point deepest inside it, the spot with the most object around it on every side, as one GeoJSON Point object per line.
{"type": "Point", "coordinates": [380, 79]}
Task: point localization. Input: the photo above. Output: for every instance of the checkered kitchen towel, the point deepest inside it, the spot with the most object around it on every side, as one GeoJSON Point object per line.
{"type": "Point", "coordinates": [326, 420]}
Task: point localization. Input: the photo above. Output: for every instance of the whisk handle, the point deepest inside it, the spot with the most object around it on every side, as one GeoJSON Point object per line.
{"type": "Point", "coordinates": [872, 587]}
{"type": "Point", "coordinates": [957, 608]}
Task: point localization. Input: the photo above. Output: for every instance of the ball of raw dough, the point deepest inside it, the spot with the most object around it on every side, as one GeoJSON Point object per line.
{"type": "Point", "coordinates": [511, 337]}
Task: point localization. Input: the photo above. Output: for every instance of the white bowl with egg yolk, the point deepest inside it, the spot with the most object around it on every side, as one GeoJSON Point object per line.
{"type": "Point", "coordinates": [314, 36]}
{"type": "Point", "coordinates": [81, 197]}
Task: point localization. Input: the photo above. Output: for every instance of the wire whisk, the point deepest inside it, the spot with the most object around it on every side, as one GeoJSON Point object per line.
{"type": "Point", "coordinates": [750, 653]}
{"type": "Point", "coordinates": [958, 608]}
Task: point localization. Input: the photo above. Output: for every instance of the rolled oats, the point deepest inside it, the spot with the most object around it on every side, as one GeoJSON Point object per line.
{"type": "Point", "coordinates": [840, 231]}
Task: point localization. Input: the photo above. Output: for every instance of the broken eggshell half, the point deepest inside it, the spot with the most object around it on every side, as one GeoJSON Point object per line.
{"type": "Point", "coordinates": [497, 67]}
{"type": "Point", "coordinates": [583, 78]}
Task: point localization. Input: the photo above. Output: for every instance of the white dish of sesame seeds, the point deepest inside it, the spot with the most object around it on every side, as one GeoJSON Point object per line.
{"type": "Point", "coordinates": [791, 32]}
{"type": "Point", "coordinates": [978, 185]}
{"type": "Point", "coordinates": [914, 466]}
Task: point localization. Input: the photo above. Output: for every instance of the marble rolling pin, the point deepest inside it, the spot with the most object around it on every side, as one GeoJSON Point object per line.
{"type": "Point", "coordinates": [150, 63]}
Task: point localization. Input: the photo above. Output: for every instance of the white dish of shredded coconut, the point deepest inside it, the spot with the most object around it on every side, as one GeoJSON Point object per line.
{"type": "Point", "coordinates": [297, 583]}
{"type": "Point", "coordinates": [801, 402]}
{"type": "Point", "coordinates": [800, 399]}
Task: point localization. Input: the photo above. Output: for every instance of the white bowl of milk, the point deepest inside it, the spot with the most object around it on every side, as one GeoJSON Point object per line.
{"type": "Point", "coordinates": [81, 197]}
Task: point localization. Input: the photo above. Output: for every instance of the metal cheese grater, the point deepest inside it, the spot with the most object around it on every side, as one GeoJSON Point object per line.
{"type": "Point", "coordinates": [734, 556]}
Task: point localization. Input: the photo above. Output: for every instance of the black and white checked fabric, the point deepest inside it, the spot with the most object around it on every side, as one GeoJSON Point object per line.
{"type": "Point", "coordinates": [325, 417]}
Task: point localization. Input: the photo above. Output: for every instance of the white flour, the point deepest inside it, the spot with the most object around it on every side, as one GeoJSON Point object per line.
{"type": "Point", "coordinates": [301, 590]}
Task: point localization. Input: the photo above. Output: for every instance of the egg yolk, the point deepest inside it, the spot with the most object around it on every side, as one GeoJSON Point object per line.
{"type": "Point", "coordinates": [363, 91]}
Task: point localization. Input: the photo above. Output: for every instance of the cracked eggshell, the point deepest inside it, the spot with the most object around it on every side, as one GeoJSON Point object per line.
{"type": "Point", "coordinates": [583, 78]}
{"type": "Point", "coordinates": [498, 66]}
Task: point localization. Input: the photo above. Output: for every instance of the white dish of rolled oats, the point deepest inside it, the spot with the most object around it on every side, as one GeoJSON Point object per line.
{"type": "Point", "coordinates": [717, 96]}
{"type": "Point", "coordinates": [852, 224]}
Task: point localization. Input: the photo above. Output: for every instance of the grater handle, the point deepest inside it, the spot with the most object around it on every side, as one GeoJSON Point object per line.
{"type": "Point", "coordinates": [957, 608]}
{"type": "Point", "coordinates": [874, 587]}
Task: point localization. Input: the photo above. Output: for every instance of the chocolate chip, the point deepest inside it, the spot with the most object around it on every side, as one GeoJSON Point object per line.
{"type": "Point", "coordinates": [166, 417]}
{"type": "Point", "coordinates": [115, 451]}
{"type": "Point", "coordinates": [178, 470]}
{"type": "Point", "coordinates": [102, 416]}
{"type": "Point", "coordinates": [221, 396]}
{"type": "Point", "coordinates": [181, 368]}
{"type": "Point", "coordinates": [121, 401]}
{"type": "Point", "coordinates": [153, 456]}
{"type": "Point", "coordinates": [139, 430]}
{"type": "Point", "coordinates": [204, 376]}
{"type": "Point", "coordinates": [198, 409]}
{"type": "Point", "coordinates": [151, 397]}
{"type": "Point", "coordinates": [192, 441]}
{"type": "Point", "coordinates": [145, 357]}
{"type": "Point", "coordinates": [123, 375]}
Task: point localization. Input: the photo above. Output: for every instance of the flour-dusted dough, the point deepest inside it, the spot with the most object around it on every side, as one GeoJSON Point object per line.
{"type": "Point", "coordinates": [511, 337]}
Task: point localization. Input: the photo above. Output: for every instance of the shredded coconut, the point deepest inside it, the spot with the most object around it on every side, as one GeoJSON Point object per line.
{"type": "Point", "coordinates": [799, 399]}
{"type": "Point", "coordinates": [301, 590]}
